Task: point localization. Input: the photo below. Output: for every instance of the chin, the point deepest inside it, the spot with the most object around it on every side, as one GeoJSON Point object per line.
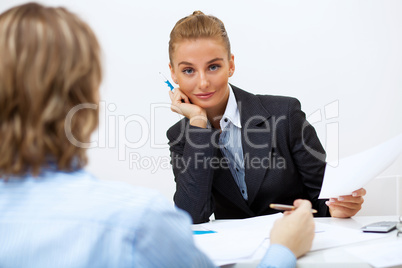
{"type": "Point", "coordinates": [207, 105]}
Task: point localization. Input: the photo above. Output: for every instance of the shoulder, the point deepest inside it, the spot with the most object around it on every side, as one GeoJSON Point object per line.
{"type": "Point", "coordinates": [279, 104]}
{"type": "Point", "coordinates": [177, 129]}
{"type": "Point", "coordinates": [109, 201]}
{"type": "Point", "coordinates": [275, 100]}
{"type": "Point", "coordinates": [272, 103]}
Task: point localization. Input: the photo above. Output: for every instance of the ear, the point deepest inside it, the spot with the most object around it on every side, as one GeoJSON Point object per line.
{"type": "Point", "coordinates": [231, 65]}
{"type": "Point", "coordinates": [172, 73]}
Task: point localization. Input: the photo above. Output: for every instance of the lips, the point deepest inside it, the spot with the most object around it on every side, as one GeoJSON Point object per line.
{"type": "Point", "coordinates": [205, 96]}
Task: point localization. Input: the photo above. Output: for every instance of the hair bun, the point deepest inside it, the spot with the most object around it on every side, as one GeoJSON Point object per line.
{"type": "Point", "coordinates": [197, 12]}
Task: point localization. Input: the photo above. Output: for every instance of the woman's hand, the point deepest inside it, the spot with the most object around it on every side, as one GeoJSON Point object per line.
{"type": "Point", "coordinates": [346, 206]}
{"type": "Point", "coordinates": [181, 104]}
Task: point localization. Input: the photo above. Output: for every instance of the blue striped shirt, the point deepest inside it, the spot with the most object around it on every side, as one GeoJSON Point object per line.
{"type": "Point", "coordinates": [74, 220]}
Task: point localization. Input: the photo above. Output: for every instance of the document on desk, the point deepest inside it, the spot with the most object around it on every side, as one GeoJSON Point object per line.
{"type": "Point", "coordinates": [355, 171]}
{"type": "Point", "coordinates": [331, 236]}
{"type": "Point", "coordinates": [385, 254]}
{"type": "Point", "coordinates": [234, 240]}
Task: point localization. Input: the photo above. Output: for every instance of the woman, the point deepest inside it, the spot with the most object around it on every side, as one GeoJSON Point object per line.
{"type": "Point", "coordinates": [234, 153]}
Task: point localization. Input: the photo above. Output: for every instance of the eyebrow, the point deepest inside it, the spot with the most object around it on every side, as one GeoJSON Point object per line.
{"type": "Point", "coordinates": [209, 62]}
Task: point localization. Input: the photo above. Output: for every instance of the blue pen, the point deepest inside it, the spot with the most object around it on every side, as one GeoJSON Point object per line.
{"type": "Point", "coordinates": [166, 81]}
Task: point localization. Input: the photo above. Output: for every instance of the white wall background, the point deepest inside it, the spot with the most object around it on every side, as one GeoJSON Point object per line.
{"type": "Point", "coordinates": [321, 52]}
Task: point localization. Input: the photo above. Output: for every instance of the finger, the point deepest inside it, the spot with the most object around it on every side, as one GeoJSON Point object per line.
{"type": "Point", "coordinates": [348, 205]}
{"type": "Point", "coordinates": [180, 97]}
{"type": "Point", "coordinates": [175, 96]}
{"type": "Point", "coordinates": [348, 199]}
{"type": "Point", "coordinates": [185, 98]}
{"type": "Point", "coordinates": [360, 192]}
{"type": "Point", "coordinates": [344, 210]}
{"type": "Point", "coordinates": [355, 201]}
{"type": "Point", "coordinates": [297, 202]}
{"type": "Point", "coordinates": [302, 203]}
{"type": "Point", "coordinates": [356, 194]}
{"type": "Point", "coordinates": [176, 109]}
{"type": "Point", "coordinates": [176, 103]}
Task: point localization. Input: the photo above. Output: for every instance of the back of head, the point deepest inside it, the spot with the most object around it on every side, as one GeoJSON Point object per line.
{"type": "Point", "coordinates": [198, 25]}
{"type": "Point", "coordinates": [50, 63]}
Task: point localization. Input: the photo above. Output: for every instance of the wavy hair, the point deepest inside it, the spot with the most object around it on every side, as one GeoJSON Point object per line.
{"type": "Point", "coordinates": [50, 63]}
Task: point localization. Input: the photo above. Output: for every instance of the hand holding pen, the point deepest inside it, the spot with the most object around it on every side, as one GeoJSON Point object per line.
{"type": "Point", "coordinates": [166, 81]}
{"type": "Point", "coordinates": [181, 104]}
{"type": "Point", "coordinates": [295, 230]}
{"type": "Point", "coordinates": [287, 208]}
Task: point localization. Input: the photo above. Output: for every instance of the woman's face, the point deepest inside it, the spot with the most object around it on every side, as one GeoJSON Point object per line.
{"type": "Point", "coordinates": [202, 68]}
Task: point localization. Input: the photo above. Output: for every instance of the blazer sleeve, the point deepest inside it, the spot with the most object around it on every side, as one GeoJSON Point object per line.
{"type": "Point", "coordinates": [193, 153]}
{"type": "Point", "coordinates": [308, 155]}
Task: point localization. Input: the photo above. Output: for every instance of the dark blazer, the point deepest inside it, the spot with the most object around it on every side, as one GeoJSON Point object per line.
{"type": "Point", "coordinates": [283, 160]}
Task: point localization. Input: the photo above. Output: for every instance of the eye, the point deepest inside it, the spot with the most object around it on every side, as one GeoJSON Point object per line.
{"type": "Point", "coordinates": [188, 71]}
{"type": "Point", "coordinates": [214, 67]}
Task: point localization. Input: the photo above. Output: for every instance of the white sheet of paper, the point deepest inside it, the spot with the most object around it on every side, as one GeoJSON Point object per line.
{"type": "Point", "coordinates": [248, 239]}
{"type": "Point", "coordinates": [355, 171]}
{"type": "Point", "coordinates": [326, 236]}
{"type": "Point", "coordinates": [380, 255]}
{"type": "Point", "coordinates": [234, 239]}
{"type": "Point", "coordinates": [334, 236]}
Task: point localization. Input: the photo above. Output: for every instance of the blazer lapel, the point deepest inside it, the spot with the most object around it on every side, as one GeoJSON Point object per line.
{"type": "Point", "coordinates": [256, 139]}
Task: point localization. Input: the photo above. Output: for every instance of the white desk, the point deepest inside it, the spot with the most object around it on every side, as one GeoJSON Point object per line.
{"type": "Point", "coordinates": [338, 256]}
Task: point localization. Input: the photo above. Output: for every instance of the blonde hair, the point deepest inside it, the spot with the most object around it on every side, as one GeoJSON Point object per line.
{"type": "Point", "coordinates": [50, 63]}
{"type": "Point", "coordinates": [198, 25]}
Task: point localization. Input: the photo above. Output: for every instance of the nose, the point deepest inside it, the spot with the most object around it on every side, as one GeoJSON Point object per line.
{"type": "Point", "coordinates": [203, 82]}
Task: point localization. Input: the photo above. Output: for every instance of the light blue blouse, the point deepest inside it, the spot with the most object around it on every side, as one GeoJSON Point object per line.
{"type": "Point", "coordinates": [74, 220]}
